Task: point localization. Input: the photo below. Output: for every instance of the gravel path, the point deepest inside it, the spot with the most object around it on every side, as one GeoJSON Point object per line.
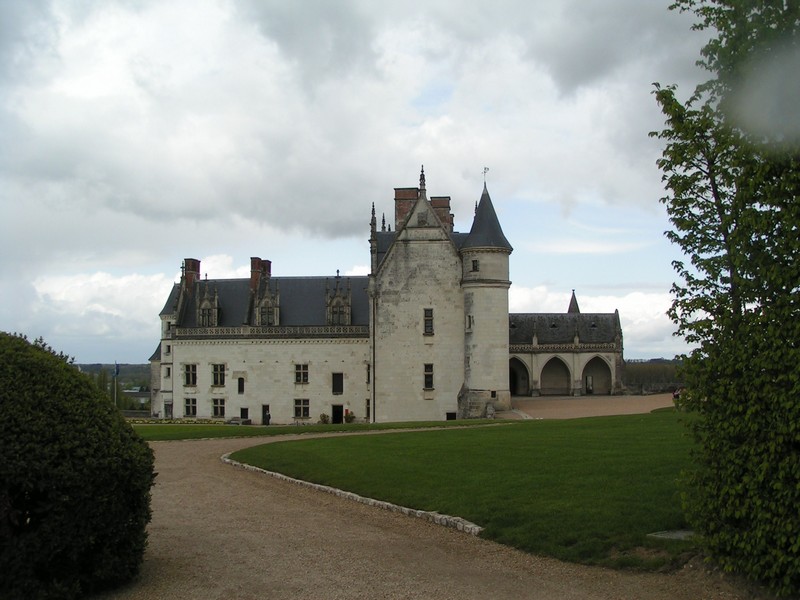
{"type": "Point", "coordinates": [224, 533]}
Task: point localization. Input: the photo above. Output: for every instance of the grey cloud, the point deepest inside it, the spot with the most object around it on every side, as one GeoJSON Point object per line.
{"type": "Point", "coordinates": [324, 39]}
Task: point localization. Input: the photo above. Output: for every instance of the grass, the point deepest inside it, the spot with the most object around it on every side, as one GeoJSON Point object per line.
{"type": "Point", "coordinates": [195, 431]}
{"type": "Point", "coordinates": [586, 490]}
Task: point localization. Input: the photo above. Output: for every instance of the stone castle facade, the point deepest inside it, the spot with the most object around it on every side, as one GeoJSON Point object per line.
{"type": "Point", "coordinates": [427, 335]}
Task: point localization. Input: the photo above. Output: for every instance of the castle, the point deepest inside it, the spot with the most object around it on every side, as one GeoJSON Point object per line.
{"type": "Point", "coordinates": [425, 336]}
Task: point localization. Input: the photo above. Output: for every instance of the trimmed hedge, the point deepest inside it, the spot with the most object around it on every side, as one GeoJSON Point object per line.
{"type": "Point", "coordinates": [75, 480]}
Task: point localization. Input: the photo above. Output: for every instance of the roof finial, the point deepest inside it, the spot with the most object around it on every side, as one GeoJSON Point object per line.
{"type": "Point", "coordinates": [485, 171]}
{"type": "Point", "coordinates": [422, 178]}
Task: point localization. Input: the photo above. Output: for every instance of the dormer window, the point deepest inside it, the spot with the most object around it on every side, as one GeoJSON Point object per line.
{"type": "Point", "coordinates": [268, 313]}
{"type": "Point", "coordinates": [208, 309]}
{"type": "Point", "coordinates": [339, 302]}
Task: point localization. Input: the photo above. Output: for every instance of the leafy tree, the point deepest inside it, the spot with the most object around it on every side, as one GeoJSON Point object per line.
{"type": "Point", "coordinates": [75, 480]}
{"type": "Point", "coordinates": [733, 201]}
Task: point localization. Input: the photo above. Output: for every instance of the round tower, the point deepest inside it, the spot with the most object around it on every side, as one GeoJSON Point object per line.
{"type": "Point", "coordinates": [485, 283]}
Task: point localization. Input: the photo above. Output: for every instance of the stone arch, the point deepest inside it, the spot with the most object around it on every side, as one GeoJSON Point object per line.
{"type": "Point", "coordinates": [518, 378]}
{"type": "Point", "coordinates": [596, 378]}
{"type": "Point", "coordinates": [556, 379]}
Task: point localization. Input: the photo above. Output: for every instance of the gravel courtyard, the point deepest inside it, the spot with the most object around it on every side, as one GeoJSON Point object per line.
{"type": "Point", "coordinates": [224, 533]}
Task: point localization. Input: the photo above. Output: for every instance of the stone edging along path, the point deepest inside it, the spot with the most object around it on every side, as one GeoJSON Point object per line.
{"type": "Point", "coordinates": [433, 517]}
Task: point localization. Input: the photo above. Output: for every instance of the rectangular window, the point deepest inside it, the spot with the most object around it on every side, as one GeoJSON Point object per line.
{"type": "Point", "coordinates": [369, 373]}
{"type": "Point", "coordinates": [190, 407]}
{"type": "Point", "coordinates": [244, 413]}
{"type": "Point", "coordinates": [338, 383]}
{"type": "Point", "coordinates": [268, 315]}
{"type": "Point", "coordinates": [241, 385]}
{"type": "Point", "coordinates": [301, 408]}
{"type": "Point", "coordinates": [338, 314]}
{"type": "Point", "coordinates": [428, 376]}
{"type": "Point", "coordinates": [470, 322]}
{"type": "Point", "coordinates": [219, 374]}
{"type": "Point", "coordinates": [168, 372]}
{"type": "Point", "coordinates": [428, 321]}
{"type": "Point", "coordinates": [189, 374]}
{"type": "Point", "coordinates": [476, 265]}
{"type": "Point", "coordinates": [301, 373]}
{"type": "Point", "coordinates": [367, 407]}
{"type": "Point", "coordinates": [168, 349]}
{"type": "Point", "coordinates": [219, 408]}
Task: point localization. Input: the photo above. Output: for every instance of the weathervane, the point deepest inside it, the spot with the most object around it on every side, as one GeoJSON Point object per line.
{"type": "Point", "coordinates": [485, 171]}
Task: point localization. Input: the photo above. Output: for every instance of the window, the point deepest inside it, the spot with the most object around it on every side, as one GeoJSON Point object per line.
{"type": "Point", "coordinates": [476, 266]}
{"type": "Point", "coordinates": [208, 317]}
{"type": "Point", "coordinates": [470, 322]}
{"type": "Point", "coordinates": [241, 385]}
{"type": "Point", "coordinates": [168, 372]}
{"type": "Point", "coordinates": [428, 321]}
{"type": "Point", "coordinates": [267, 315]}
{"type": "Point", "coordinates": [219, 408]}
{"type": "Point", "coordinates": [369, 373]}
{"type": "Point", "coordinates": [338, 383]}
{"type": "Point", "coordinates": [219, 374]}
{"type": "Point", "coordinates": [301, 373]}
{"type": "Point", "coordinates": [367, 409]}
{"type": "Point", "coordinates": [168, 349]}
{"type": "Point", "coordinates": [190, 407]}
{"type": "Point", "coordinates": [244, 413]}
{"type": "Point", "coordinates": [428, 376]}
{"type": "Point", "coordinates": [301, 408]}
{"type": "Point", "coordinates": [189, 374]}
{"type": "Point", "coordinates": [338, 314]}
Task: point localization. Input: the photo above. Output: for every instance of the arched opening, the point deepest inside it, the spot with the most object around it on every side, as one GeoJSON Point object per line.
{"type": "Point", "coordinates": [596, 377]}
{"type": "Point", "coordinates": [518, 380]}
{"type": "Point", "coordinates": [555, 378]}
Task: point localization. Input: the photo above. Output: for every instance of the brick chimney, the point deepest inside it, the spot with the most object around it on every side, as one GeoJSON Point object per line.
{"type": "Point", "coordinates": [441, 206]}
{"type": "Point", "coordinates": [191, 273]}
{"type": "Point", "coordinates": [259, 268]}
{"type": "Point", "coordinates": [404, 199]}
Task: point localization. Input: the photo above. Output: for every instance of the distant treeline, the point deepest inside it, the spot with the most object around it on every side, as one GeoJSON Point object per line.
{"type": "Point", "coordinates": [655, 375]}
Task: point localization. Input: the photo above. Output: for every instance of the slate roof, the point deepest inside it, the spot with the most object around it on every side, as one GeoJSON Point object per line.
{"type": "Point", "coordinates": [486, 231]}
{"type": "Point", "coordinates": [302, 300]}
{"type": "Point", "coordinates": [559, 328]}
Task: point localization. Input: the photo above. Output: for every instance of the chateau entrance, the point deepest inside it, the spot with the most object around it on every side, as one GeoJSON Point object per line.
{"type": "Point", "coordinates": [555, 378]}
{"type": "Point", "coordinates": [518, 380]}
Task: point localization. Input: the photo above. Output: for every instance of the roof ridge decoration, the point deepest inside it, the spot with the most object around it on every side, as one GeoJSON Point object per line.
{"type": "Point", "coordinates": [573, 304]}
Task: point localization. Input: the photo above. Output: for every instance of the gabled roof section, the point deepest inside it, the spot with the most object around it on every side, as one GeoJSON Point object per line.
{"type": "Point", "coordinates": [560, 328]}
{"type": "Point", "coordinates": [486, 231]}
{"type": "Point", "coordinates": [302, 301]}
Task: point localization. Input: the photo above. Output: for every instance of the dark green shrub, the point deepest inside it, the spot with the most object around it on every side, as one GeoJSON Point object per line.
{"type": "Point", "coordinates": [75, 480]}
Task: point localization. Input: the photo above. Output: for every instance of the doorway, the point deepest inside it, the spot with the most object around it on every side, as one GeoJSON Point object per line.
{"type": "Point", "coordinates": [337, 413]}
{"type": "Point", "coordinates": [265, 416]}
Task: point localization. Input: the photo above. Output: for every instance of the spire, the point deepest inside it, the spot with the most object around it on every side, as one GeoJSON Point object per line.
{"type": "Point", "coordinates": [383, 221]}
{"type": "Point", "coordinates": [422, 178]}
{"type": "Point", "coordinates": [573, 305]}
{"type": "Point", "coordinates": [373, 223]}
{"type": "Point", "coordinates": [486, 231]}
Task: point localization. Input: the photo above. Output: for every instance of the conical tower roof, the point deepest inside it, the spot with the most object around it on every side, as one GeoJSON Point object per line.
{"type": "Point", "coordinates": [486, 231]}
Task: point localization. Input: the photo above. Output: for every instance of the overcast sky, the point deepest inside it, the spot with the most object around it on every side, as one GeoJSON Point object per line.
{"type": "Point", "coordinates": [136, 133]}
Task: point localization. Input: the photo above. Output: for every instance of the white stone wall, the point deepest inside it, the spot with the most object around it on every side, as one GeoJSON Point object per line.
{"type": "Point", "coordinates": [422, 270]}
{"type": "Point", "coordinates": [268, 369]}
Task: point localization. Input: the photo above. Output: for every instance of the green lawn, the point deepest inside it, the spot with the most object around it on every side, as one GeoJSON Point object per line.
{"type": "Point", "coordinates": [176, 431]}
{"type": "Point", "coordinates": [586, 490]}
